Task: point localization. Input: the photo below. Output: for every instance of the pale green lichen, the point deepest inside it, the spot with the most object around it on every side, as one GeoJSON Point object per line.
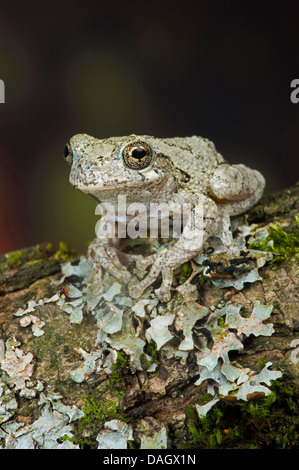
{"type": "Point", "coordinates": [27, 318]}
{"type": "Point", "coordinates": [55, 420]}
{"type": "Point", "coordinates": [226, 325]}
{"type": "Point", "coordinates": [158, 330]}
{"type": "Point", "coordinates": [189, 313]}
{"type": "Point", "coordinates": [156, 441]}
{"type": "Point", "coordinates": [18, 368]}
{"type": "Point", "coordinates": [115, 435]}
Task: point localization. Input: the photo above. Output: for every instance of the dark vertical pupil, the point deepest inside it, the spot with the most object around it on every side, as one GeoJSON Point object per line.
{"type": "Point", "coordinates": [139, 152]}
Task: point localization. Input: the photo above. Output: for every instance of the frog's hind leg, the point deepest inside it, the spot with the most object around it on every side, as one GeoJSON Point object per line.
{"type": "Point", "coordinates": [236, 187]}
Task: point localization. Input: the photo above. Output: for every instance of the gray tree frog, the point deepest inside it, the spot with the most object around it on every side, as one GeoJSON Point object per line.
{"type": "Point", "coordinates": [171, 170]}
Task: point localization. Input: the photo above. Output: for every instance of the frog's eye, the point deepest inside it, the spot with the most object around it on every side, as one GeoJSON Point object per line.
{"type": "Point", "coordinates": [137, 155]}
{"type": "Point", "coordinates": [68, 153]}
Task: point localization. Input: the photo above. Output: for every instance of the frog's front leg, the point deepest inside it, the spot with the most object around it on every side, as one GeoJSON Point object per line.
{"type": "Point", "coordinates": [202, 221]}
{"type": "Point", "coordinates": [102, 254]}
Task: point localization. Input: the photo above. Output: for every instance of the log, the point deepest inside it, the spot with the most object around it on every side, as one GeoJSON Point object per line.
{"type": "Point", "coordinates": [95, 370]}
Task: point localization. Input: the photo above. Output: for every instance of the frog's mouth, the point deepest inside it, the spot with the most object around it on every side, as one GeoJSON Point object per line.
{"type": "Point", "coordinates": [131, 189]}
{"type": "Point", "coordinates": [96, 188]}
{"type": "Point", "coordinates": [144, 192]}
{"type": "Point", "coordinates": [95, 183]}
{"type": "Point", "coordinates": [95, 198]}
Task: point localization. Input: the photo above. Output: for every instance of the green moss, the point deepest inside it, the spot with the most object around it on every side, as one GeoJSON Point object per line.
{"type": "Point", "coordinates": [36, 261]}
{"type": "Point", "coordinates": [116, 378]}
{"type": "Point", "coordinates": [185, 273]}
{"type": "Point", "coordinates": [284, 245]}
{"type": "Point", "coordinates": [49, 246]}
{"type": "Point", "coordinates": [41, 250]}
{"type": "Point", "coordinates": [122, 361]}
{"type": "Point", "coordinates": [14, 259]}
{"type": "Point", "coordinates": [221, 322]}
{"type": "Point", "coordinates": [64, 252]}
{"type": "Point", "coordinates": [149, 350]}
{"type": "Point", "coordinates": [262, 362]}
{"type": "Point", "coordinates": [102, 405]}
{"type": "Point", "coordinates": [207, 432]}
{"type": "Point", "coordinates": [97, 411]}
{"type": "Point", "coordinates": [271, 422]}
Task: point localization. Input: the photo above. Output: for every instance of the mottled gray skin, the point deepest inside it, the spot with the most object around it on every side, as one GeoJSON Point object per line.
{"type": "Point", "coordinates": [182, 170]}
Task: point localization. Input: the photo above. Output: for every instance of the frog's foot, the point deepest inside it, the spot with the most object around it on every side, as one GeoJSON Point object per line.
{"type": "Point", "coordinates": [102, 255]}
{"type": "Point", "coordinates": [163, 293]}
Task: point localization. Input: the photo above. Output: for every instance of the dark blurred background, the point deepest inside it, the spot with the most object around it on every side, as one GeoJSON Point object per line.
{"type": "Point", "coordinates": [219, 69]}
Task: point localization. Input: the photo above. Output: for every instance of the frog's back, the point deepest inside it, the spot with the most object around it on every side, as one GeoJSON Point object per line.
{"type": "Point", "coordinates": [195, 156]}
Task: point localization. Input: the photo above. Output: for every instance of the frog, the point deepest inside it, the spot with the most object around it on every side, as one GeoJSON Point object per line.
{"type": "Point", "coordinates": [172, 170]}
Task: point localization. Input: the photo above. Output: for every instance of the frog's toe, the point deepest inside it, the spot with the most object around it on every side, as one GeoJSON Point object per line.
{"type": "Point", "coordinates": [135, 291]}
{"type": "Point", "coordinates": [125, 276]}
{"type": "Point", "coordinates": [119, 272]}
{"type": "Point", "coordinates": [164, 293]}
